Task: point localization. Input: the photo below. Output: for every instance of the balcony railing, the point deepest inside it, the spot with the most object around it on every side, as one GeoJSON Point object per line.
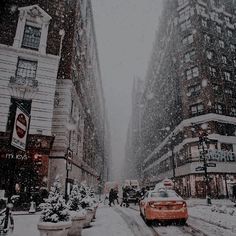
{"type": "Point", "coordinates": [23, 82]}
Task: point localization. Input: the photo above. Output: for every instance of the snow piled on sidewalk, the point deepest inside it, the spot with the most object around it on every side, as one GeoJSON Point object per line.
{"type": "Point", "coordinates": [26, 225]}
{"type": "Point", "coordinates": [221, 213]}
{"type": "Point", "coordinates": [108, 222]}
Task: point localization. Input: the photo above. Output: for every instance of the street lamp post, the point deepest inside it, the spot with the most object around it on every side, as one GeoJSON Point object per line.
{"type": "Point", "coordinates": [69, 157]}
{"type": "Point", "coordinates": [203, 141]}
{"type": "Point", "coordinates": [173, 165]}
{"type": "Point", "coordinates": [172, 157]}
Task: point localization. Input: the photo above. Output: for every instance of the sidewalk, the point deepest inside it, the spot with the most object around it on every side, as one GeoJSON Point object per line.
{"type": "Point", "coordinates": [218, 202]}
{"type": "Point", "coordinates": [108, 222]}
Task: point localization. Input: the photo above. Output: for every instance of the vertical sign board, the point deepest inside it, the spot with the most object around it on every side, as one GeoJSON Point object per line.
{"type": "Point", "coordinates": [69, 157]}
{"type": "Point", "coordinates": [20, 129]}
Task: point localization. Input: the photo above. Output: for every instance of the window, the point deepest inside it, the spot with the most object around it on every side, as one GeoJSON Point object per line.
{"type": "Point", "coordinates": [26, 69]}
{"type": "Point", "coordinates": [188, 56]}
{"type": "Point", "coordinates": [188, 40]}
{"type": "Point", "coordinates": [204, 23]}
{"type": "Point", "coordinates": [227, 19]}
{"type": "Point", "coordinates": [215, 15]}
{"type": "Point", "coordinates": [234, 61]}
{"type": "Point", "coordinates": [31, 37]}
{"type": "Point", "coordinates": [194, 151]}
{"type": "Point", "coordinates": [212, 71]}
{"type": "Point", "coordinates": [233, 111]}
{"type": "Point", "coordinates": [229, 91]}
{"type": "Point", "coordinates": [209, 55]}
{"type": "Point", "coordinates": [72, 107]}
{"type": "Point", "coordinates": [185, 25]}
{"type": "Point", "coordinates": [230, 33]}
{"type": "Point", "coordinates": [194, 90]}
{"type": "Point", "coordinates": [197, 109]}
{"type": "Point", "coordinates": [207, 38]}
{"type": "Point", "coordinates": [227, 76]}
{"type": "Point", "coordinates": [215, 87]}
{"type": "Point", "coordinates": [232, 47]}
{"type": "Point", "coordinates": [192, 73]}
{"type": "Point", "coordinates": [221, 43]}
{"type": "Point", "coordinates": [33, 22]}
{"type": "Point", "coordinates": [184, 14]}
{"type": "Point", "coordinates": [224, 59]}
{"type": "Point", "coordinates": [218, 29]}
{"type": "Point", "coordinates": [182, 2]}
{"type": "Point", "coordinates": [201, 10]}
{"type": "Point", "coordinates": [218, 108]}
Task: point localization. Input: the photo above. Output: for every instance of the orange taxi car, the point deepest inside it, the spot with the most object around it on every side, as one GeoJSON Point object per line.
{"type": "Point", "coordinates": [163, 205]}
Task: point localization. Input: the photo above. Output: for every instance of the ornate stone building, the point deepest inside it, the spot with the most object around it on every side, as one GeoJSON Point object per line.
{"type": "Point", "coordinates": [49, 67]}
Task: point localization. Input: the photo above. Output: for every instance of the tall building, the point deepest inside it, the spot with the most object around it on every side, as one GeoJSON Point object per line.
{"type": "Point", "coordinates": [132, 167]}
{"type": "Point", "coordinates": [49, 67]}
{"type": "Point", "coordinates": [190, 90]}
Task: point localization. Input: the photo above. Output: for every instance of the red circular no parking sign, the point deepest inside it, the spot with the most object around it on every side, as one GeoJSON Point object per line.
{"type": "Point", "coordinates": [21, 125]}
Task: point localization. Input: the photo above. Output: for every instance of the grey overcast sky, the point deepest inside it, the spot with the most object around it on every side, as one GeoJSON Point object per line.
{"type": "Point", "coordinates": [125, 31]}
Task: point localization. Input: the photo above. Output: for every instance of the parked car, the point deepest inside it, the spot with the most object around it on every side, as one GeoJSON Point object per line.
{"type": "Point", "coordinates": [133, 195]}
{"type": "Point", "coordinates": [163, 205]}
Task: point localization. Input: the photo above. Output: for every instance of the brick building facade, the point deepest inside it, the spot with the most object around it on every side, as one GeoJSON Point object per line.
{"type": "Point", "coordinates": [191, 77]}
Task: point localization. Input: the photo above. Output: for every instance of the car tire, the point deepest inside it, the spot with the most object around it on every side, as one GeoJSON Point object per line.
{"type": "Point", "coordinates": [182, 222]}
{"type": "Point", "coordinates": [140, 212]}
{"type": "Point", "coordinates": [148, 222]}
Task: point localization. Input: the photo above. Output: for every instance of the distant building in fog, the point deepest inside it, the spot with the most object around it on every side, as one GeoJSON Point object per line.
{"type": "Point", "coordinates": [132, 165]}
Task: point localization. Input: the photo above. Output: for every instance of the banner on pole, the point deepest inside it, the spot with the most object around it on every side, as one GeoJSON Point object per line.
{"type": "Point", "coordinates": [20, 129]}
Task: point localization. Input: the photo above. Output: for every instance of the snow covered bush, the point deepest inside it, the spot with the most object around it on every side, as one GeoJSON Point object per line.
{"type": "Point", "coordinates": [75, 199]}
{"type": "Point", "coordinates": [55, 209]}
{"type": "Point", "coordinates": [88, 197]}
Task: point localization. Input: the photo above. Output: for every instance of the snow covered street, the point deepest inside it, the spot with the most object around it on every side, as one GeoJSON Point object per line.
{"type": "Point", "coordinates": [114, 221]}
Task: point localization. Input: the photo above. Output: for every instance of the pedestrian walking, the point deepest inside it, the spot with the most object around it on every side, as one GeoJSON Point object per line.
{"type": "Point", "coordinates": [125, 196]}
{"type": "Point", "coordinates": [116, 197]}
{"type": "Point", "coordinates": [234, 194]}
{"type": "Point", "coordinates": [111, 197]}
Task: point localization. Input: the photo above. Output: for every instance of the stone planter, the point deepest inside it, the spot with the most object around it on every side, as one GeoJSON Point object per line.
{"type": "Point", "coordinates": [95, 210]}
{"type": "Point", "coordinates": [54, 229]}
{"type": "Point", "coordinates": [78, 221]}
{"type": "Point", "coordinates": [89, 217]}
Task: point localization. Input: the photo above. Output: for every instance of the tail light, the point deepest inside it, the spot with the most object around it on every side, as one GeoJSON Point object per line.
{"type": "Point", "coordinates": [151, 204]}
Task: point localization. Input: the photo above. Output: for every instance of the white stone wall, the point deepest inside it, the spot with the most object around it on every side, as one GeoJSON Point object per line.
{"type": "Point", "coordinates": [43, 99]}
{"type": "Point", "coordinates": [64, 121]}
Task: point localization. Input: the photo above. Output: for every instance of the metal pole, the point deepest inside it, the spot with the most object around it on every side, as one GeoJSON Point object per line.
{"type": "Point", "coordinates": [11, 187]}
{"type": "Point", "coordinates": [67, 171]}
{"type": "Point", "coordinates": [66, 184]}
{"type": "Point", "coordinates": [226, 186]}
{"type": "Point", "coordinates": [207, 187]}
{"type": "Point", "coordinates": [173, 164]}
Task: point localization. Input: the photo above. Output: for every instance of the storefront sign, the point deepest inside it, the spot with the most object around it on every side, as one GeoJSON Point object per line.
{"type": "Point", "coordinates": [220, 155]}
{"type": "Point", "coordinates": [20, 129]}
{"type": "Point", "coordinates": [17, 157]}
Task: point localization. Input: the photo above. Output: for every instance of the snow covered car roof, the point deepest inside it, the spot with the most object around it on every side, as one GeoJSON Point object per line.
{"type": "Point", "coordinates": [164, 195]}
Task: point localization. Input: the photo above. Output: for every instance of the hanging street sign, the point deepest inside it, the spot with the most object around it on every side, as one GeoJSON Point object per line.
{"type": "Point", "coordinates": [211, 164]}
{"type": "Point", "coordinates": [200, 168]}
{"type": "Point", "coordinates": [20, 129]}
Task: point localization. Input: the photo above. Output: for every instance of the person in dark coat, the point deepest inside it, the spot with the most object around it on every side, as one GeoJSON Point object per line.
{"type": "Point", "coordinates": [111, 197]}
{"type": "Point", "coordinates": [125, 198]}
{"type": "Point", "coordinates": [116, 197]}
{"type": "Point", "coordinates": [234, 194]}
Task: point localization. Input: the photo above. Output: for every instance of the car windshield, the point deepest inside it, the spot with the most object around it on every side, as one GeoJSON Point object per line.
{"type": "Point", "coordinates": [164, 194]}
